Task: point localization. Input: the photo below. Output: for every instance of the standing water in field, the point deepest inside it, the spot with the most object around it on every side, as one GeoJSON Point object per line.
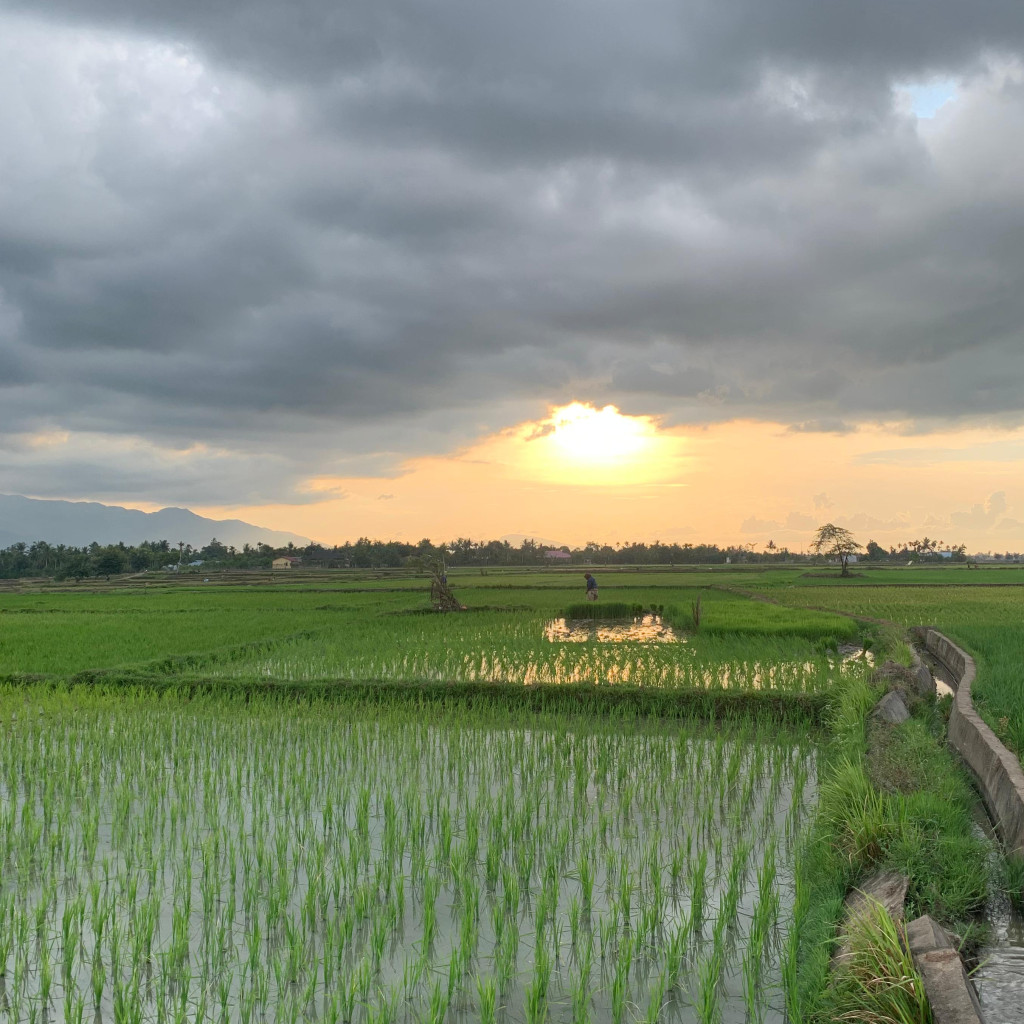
{"type": "Point", "coordinates": [209, 859]}
{"type": "Point", "coordinates": [644, 629]}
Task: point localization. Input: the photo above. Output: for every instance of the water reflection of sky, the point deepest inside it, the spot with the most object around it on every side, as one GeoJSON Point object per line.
{"type": "Point", "coordinates": [648, 629]}
{"type": "Point", "coordinates": [852, 653]}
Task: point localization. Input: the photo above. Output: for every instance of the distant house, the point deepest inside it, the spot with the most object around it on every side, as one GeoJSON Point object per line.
{"type": "Point", "coordinates": [285, 562]}
{"type": "Point", "coordinates": [557, 556]}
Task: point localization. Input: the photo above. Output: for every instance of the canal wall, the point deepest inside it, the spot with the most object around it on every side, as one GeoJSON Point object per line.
{"type": "Point", "coordinates": [996, 770]}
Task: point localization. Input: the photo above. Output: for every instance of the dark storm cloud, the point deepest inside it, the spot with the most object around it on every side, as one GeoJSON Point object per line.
{"type": "Point", "coordinates": [328, 235]}
{"type": "Point", "coordinates": [317, 38]}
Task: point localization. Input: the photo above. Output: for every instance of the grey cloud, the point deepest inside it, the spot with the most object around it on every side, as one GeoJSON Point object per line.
{"type": "Point", "coordinates": [992, 451]}
{"type": "Point", "coordinates": [523, 41]}
{"type": "Point", "coordinates": [639, 377]}
{"type": "Point", "coordinates": [862, 521]}
{"type": "Point", "coordinates": [1009, 524]}
{"type": "Point", "coordinates": [340, 235]}
{"type": "Point", "coordinates": [800, 521]}
{"type": "Point", "coordinates": [133, 476]}
{"type": "Point", "coordinates": [795, 522]}
{"type": "Point", "coordinates": [753, 524]}
{"type": "Point", "coordinates": [981, 516]}
{"type": "Point", "coordinates": [825, 426]}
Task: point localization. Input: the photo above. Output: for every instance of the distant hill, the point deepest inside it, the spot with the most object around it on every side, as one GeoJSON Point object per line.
{"type": "Point", "coordinates": [78, 523]}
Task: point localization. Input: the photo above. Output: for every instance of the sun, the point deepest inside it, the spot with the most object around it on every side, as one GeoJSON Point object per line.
{"type": "Point", "coordinates": [580, 444]}
{"type": "Point", "coordinates": [601, 437]}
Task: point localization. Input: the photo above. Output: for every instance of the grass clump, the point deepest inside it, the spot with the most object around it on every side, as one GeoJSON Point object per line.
{"type": "Point", "coordinates": [877, 983]}
{"type": "Point", "coordinates": [859, 821]}
{"type": "Point", "coordinates": [1013, 880]}
{"type": "Point", "coordinates": [937, 847]}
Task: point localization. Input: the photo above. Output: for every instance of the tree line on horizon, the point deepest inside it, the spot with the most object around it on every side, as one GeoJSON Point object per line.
{"type": "Point", "coordinates": [68, 562]}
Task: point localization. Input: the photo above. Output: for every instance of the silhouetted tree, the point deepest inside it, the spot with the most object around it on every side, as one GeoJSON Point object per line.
{"type": "Point", "coordinates": [835, 542]}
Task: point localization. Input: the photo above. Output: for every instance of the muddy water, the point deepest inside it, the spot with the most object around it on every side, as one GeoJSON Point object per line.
{"type": "Point", "coordinates": [851, 653]}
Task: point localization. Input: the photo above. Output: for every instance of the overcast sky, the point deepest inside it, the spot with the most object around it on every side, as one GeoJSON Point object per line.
{"type": "Point", "coordinates": [245, 244]}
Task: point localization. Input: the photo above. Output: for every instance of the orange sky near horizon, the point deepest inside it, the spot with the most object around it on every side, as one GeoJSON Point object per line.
{"type": "Point", "coordinates": [584, 473]}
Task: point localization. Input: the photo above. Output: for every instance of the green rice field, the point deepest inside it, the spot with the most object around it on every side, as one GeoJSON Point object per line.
{"type": "Point", "coordinates": [325, 634]}
{"type": "Point", "coordinates": [318, 800]}
{"type": "Point", "coordinates": [987, 620]}
{"type": "Point", "coordinates": [172, 859]}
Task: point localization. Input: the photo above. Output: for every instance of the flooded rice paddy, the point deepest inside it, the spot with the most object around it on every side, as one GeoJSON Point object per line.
{"type": "Point", "coordinates": [531, 650]}
{"type": "Point", "coordinates": [644, 629]}
{"type": "Point", "coordinates": [169, 859]}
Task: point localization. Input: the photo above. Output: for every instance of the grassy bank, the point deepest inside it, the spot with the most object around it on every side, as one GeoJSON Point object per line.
{"type": "Point", "coordinates": [892, 798]}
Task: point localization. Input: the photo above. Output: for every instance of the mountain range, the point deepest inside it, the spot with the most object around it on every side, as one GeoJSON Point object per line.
{"type": "Point", "coordinates": [78, 523]}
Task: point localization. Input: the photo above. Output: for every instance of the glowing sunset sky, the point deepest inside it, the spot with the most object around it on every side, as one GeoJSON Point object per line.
{"type": "Point", "coordinates": [613, 271]}
{"type": "Point", "coordinates": [598, 475]}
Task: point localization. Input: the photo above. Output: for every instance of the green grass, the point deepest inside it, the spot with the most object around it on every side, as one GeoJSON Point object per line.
{"type": "Point", "coordinates": [725, 614]}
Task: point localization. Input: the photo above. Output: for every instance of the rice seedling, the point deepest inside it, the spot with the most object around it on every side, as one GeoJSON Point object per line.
{"type": "Point", "coordinates": [487, 994]}
{"type": "Point", "coordinates": [229, 853]}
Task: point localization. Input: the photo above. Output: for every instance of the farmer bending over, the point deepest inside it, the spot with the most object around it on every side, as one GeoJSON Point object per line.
{"type": "Point", "coordinates": [591, 586]}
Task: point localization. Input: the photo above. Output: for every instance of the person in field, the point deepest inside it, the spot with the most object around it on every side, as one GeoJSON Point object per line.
{"type": "Point", "coordinates": [591, 586]}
